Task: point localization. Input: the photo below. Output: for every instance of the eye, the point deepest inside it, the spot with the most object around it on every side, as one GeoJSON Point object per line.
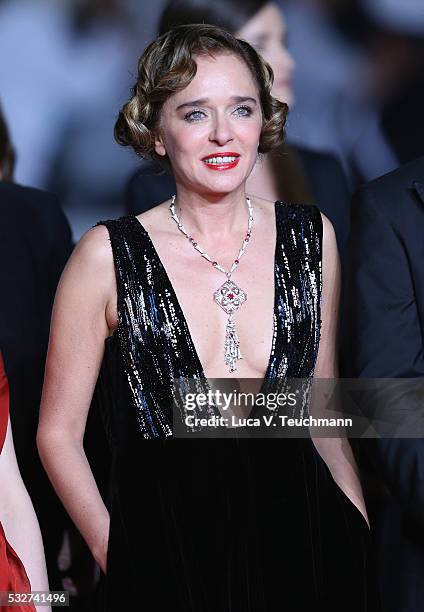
{"type": "Point", "coordinates": [195, 115]}
{"type": "Point", "coordinates": [243, 111]}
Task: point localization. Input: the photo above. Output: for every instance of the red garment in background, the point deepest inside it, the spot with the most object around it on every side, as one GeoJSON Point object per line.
{"type": "Point", "coordinates": [13, 576]}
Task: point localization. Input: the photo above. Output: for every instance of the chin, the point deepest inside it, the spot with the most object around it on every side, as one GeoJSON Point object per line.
{"type": "Point", "coordinates": [224, 184]}
{"type": "Point", "coordinates": [221, 187]}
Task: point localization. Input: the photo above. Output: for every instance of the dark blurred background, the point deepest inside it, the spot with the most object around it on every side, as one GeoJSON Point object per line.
{"type": "Point", "coordinates": [66, 67]}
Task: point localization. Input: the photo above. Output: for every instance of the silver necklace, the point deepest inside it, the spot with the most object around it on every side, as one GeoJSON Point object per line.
{"type": "Point", "coordinates": [229, 296]}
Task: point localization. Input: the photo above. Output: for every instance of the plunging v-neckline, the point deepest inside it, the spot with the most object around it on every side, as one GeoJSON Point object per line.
{"type": "Point", "coordinates": [181, 312]}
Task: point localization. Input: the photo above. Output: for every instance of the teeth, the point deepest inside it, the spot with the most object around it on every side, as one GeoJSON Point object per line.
{"type": "Point", "coordinates": [220, 160]}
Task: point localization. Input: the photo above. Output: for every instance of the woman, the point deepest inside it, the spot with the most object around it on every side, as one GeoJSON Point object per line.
{"type": "Point", "coordinates": [203, 524]}
{"type": "Point", "coordinates": [289, 173]}
{"type": "Point", "coordinates": [18, 520]}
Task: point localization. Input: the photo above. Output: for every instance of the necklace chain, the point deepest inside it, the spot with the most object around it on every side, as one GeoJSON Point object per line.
{"type": "Point", "coordinates": [229, 296]}
{"type": "Point", "coordinates": [203, 253]}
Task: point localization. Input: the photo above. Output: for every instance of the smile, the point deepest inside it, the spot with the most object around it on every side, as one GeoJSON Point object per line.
{"type": "Point", "coordinates": [223, 161]}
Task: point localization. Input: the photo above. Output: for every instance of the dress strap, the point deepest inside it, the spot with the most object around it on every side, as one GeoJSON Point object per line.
{"type": "Point", "coordinates": [139, 297]}
{"type": "Point", "coordinates": [298, 278]}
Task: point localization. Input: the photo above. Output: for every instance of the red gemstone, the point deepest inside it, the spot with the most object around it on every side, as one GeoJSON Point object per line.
{"type": "Point", "coordinates": [236, 261]}
{"type": "Point", "coordinates": [230, 296]}
{"type": "Point", "coordinates": [195, 244]}
{"type": "Point", "coordinates": [214, 263]}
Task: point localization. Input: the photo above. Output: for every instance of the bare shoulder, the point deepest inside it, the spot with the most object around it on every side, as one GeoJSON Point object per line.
{"type": "Point", "coordinates": [91, 268]}
{"type": "Point", "coordinates": [87, 285]}
{"type": "Point", "coordinates": [93, 250]}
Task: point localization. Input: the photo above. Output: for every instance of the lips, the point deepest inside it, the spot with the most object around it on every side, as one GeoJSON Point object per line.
{"type": "Point", "coordinates": [222, 160]}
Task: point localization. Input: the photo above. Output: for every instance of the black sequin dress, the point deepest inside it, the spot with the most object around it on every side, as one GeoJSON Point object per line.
{"type": "Point", "coordinates": [220, 525]}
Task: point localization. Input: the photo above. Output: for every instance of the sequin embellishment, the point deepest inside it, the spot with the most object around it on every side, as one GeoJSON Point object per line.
{"type": "Point", "coordinates": [154, 338]}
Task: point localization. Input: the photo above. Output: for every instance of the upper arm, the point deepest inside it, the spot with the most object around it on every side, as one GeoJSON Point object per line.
{"type": "Point", "coordinates": [326, 364]}
{"type": "Point", "coordinates": [79, 326]}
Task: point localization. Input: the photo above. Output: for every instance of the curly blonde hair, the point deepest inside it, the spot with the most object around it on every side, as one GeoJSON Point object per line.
{"type": "Point", "coordinates": [168, 65]}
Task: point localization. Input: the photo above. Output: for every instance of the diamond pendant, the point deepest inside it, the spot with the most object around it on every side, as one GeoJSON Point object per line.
{"type": "Point", "coordinates": [230, 297]}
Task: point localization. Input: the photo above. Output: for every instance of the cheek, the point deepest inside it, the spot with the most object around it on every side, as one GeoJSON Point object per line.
{"type": "Point", "coordinates": [250, 134]}
{"type": "Point", "coordinates": [186, 141]}
{"type": "Point", "coordinates": [183, 149]}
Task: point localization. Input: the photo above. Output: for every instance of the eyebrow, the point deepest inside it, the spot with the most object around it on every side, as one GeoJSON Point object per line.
{"type": "Point", "coordinates": [203, 101]}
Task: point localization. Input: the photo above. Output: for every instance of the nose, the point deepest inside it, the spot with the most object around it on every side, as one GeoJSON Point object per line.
{"type": "Point", "coordinates": [221, 131]}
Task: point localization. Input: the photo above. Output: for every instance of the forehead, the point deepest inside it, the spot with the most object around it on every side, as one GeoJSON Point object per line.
{"type": "Point", "coordinates": [223, 75]}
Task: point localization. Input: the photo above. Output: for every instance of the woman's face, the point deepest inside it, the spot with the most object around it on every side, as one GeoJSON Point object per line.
{"type": "Point", "coordinates": [266, 32]}
{"type": "Point", "coordinates": [210, 130]}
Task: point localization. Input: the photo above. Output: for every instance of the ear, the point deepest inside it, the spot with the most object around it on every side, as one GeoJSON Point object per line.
{"type": "Point", "coordinates": [159, 145]}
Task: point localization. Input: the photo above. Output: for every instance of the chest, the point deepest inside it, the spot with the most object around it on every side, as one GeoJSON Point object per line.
{"type": "Point", "coordinates": [195, 283]}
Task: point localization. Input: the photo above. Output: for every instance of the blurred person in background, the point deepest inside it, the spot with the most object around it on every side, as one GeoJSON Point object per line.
{"type": "Point", "coordinates": [383, 337]}
{"type": "Point", "coordinates": [395, 47]}
{"type": "Point", "coordinates": [390, 35]}
{"type": "Point", "coordinates": [334, 111]}
{"type": "Point", "coordinates": [35, 243]}
{"type": "Point", "coordinates": [63, 73]}
{"type": "Point", "coordinates": [22, 562]}
{"type": "Point", "coordinates": [292, 173]}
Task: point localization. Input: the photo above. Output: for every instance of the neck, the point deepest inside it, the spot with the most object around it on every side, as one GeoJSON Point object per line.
{"type": "Point", "coordinates": [262, 180]}
{"type": "Point", "coordinates": [216, 215]}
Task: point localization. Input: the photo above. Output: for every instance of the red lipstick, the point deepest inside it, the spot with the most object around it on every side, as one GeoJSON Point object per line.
{"type": "Point", "coordinates": [225, 160]}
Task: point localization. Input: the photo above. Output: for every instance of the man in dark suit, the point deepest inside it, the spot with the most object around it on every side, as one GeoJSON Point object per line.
{"type": "Point", "coordinates": [383, 337]}
{"type": "Point", "coordinates": [35, 243]}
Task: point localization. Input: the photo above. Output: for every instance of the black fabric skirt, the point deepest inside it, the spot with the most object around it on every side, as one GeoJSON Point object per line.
{"type": "Point", "coordinates": [234, 526]}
